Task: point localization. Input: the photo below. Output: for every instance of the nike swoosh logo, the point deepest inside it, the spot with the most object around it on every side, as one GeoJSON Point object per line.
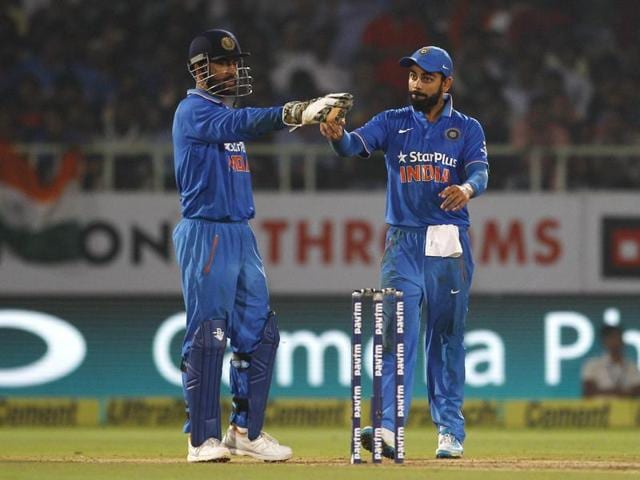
{"type": "Point", "coordinates": [445, 67]}
{"type": "Point", "coordinates": [404, 130]}
{"type": "Point", "coordinates": [453, 292]}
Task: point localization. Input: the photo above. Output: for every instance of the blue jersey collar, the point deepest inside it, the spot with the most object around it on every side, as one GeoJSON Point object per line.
{"type": "Point", "coordinates": [204, 94]}
{"type": "Point", "coordinates": [448, 105]}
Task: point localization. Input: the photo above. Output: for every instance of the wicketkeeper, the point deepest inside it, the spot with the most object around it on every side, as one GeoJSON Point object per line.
{"type": "Point", "coordinates": [223, 279]}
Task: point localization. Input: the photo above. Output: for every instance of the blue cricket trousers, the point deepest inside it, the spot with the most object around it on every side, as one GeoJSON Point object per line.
{"type": "Point", "coordinates": [441, 286]}
{"type": "Point", "coordinates": [223, 277]}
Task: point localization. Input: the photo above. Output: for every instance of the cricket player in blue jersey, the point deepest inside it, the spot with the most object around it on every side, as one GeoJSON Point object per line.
{"type": "Point", "coordinates": [436, 160]}
{"type": "Point", "coordinates": [223, 279]}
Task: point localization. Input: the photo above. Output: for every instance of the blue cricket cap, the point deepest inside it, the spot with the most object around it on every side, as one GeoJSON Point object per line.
{"type": "Point", "coordinates": [430, 59]}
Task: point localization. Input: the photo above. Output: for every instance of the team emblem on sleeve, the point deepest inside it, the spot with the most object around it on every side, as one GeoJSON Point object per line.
{"type": "Point", "coordinates": [452, 133]}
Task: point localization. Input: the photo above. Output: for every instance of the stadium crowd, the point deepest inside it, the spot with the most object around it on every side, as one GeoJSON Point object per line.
{"type": "Point", "coordinates": [536, 73]}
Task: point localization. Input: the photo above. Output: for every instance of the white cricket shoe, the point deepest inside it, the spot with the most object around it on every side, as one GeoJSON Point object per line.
{"type": "Point", "coordinates": [265, 447]}
{"type": "Point", "coordinates": [448, 446]}
{"type": "Point", "coordinates": [212, 450]}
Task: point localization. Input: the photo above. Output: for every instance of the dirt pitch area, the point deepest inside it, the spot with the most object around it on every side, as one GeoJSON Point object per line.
{"type": "Point", "coordinates": [513, 464]}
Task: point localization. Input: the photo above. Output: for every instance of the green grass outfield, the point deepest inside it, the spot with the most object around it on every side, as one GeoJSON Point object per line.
{"type": "Point", "coordinates": [154, 453]}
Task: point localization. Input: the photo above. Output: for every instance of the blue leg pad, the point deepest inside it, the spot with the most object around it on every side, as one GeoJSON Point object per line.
{"type": "Point", "coordinates": [203, 373]}
{"type": "Point", "coordinates": [258, 368]}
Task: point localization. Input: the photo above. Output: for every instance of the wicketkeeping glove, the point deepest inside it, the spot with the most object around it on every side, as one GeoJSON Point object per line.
{"type": "Point", "coordinates": [331, 107]}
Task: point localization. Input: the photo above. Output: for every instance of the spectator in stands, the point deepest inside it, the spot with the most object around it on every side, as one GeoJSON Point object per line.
{"type": "Point", "coordinates": [611, 374]}
{"type": "Point", "coordinates": [607, 171]}
{"type": "Point", "coordinates": [29, 109]}
{"type": "Point", "coordinates": [297, 57]}
{"type": "Point", "coordinates": [538, 129]}
{"type": "Point", "coordinates": [388, 37]}
{"type": "Point", "coordinates": [107, 68]}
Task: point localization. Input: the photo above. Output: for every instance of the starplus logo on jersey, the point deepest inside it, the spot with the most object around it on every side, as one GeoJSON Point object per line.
{"type": "Point", "coordinates": [235, 147]}
{"type": "Point", "coordinates": [425, 171]}
{"type": "Point", "coordinates": [435, 157]}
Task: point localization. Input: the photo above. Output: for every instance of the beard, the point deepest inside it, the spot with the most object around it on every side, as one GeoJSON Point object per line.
{"type": "Point", "coordinates": [226, 86]}
{"type": "Point", "coordinates": [425, 103]}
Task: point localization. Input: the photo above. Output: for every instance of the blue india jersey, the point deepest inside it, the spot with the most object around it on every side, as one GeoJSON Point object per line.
{"type": "Point", "coordinates": [210, 160]}
{"type": "Point", "coordinates": [422, 159]}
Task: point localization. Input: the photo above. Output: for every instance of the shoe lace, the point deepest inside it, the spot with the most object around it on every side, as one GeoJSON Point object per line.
{"type": "Point", "coordinates": [448, 439]}
{"type": "Point", "coordinates": [268, 438]}
{"type": "Point", "coordinates": [209, 442]}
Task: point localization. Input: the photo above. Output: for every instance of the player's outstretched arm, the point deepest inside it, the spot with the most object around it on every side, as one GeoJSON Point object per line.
{"type": "Point", "coordinates": [331, 107]}
{"type": "Point", "coordinates": [345, 144]}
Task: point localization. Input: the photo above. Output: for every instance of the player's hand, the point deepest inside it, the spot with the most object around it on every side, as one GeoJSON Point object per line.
{"type": "Point", "coordinates": [455, 197]}
{"type": "Point", "coordinates": [331, 107]}
{"type": "Point", "coordinates": [332, 131]}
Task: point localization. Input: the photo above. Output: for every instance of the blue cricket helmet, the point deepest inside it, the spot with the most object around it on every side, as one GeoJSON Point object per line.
{"type": "Point", "coordinates": [214, 45]}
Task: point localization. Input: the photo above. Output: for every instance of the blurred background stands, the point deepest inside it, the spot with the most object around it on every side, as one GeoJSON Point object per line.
{"type": "Point", "coordinates": [541, 76]}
